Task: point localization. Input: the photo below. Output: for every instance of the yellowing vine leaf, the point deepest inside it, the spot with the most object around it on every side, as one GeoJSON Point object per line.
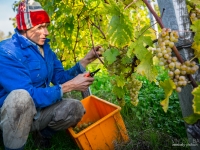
{"type": "Point", "coordinates": [196, 100]}
{"type": "Point", "coordinates": [168, 86]}
{"type": "Point", "coordinates": [196, 48]}
{"type": "Point", "coordinates": [192, 118]}
{"type": "Point", "coordinates": [146, 67]}
{"type": "Point", "coordinates": [196, 28]}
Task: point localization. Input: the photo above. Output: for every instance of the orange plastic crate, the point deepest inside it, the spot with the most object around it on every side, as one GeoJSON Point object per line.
{"type": "Point", "coordinates": [108, 126]}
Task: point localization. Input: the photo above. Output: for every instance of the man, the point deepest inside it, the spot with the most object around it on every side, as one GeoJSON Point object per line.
{"type": "Point", "coordinates": [27, 67]}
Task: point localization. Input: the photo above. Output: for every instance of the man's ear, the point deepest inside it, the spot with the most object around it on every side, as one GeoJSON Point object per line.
{"type": "Point", "coordinates": [22, 32]}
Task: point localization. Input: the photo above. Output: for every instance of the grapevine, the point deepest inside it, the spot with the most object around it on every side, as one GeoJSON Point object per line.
{"type": "Point", "coordinates": [123, 69]}
{"type": "Point", "coordinates": [121, 27]}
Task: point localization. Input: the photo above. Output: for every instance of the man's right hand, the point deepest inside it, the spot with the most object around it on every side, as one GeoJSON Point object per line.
{"type": "Point", "coordinates": [79, 83]}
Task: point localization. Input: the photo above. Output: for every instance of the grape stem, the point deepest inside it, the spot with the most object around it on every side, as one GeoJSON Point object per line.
{"type": "Point", "coordinates": [158, 19]}
{"type": "Point", "coordinates": [193, 58]}
{"type": "Point", "coordinates": [129, 5]}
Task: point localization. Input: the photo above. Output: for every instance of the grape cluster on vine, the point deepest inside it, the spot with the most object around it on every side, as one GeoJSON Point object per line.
{"type": "Point", "coordinates": [195, 14]}
{"type": "Point", "coordinates": [177, 71]}
{"type": "Point", "coordinates": [118, 67]}
{"type": "Point", "coordinates": [134, 87]}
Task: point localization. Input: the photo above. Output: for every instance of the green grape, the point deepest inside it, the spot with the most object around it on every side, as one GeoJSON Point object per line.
{"type": "Point", "coordinates": [178, 89]}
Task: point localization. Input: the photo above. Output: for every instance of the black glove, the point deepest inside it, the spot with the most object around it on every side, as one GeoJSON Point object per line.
{"type": "Point", "coordinates": [194, 130]}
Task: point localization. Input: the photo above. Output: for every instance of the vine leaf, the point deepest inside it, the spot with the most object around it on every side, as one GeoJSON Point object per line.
{"type": "Point", "coordinates": [110, 55]}
{"type": "Point", "coordinates": [192, 118]}
{"type": "Point", "coordinates": [196, 28]}
{"type": "Point", "coordinates": [69, 26]}
{"type": "Point", "coordinates": [196, 44]}
{"type": "Point", "coordinates": [168, 86]}
{"type": "Point", "coordinates": [196, 102]}
{"type": "Point", "coordinates": [120, 81]}
{"type": "Point", "coordinates": [126, 60]}
{"type": "Point", "coordinates": [120, 30]}
{"type": "Point", "coordinates": [197, 2]}
{"type": "Point", "coordinates": [147, 68]}
{"type": "Point", "coordinates": [196, 48]}
{"type": "Point", "coordinates": [91, 3]}
{"type": "Point", "coordinates": [118, 91]}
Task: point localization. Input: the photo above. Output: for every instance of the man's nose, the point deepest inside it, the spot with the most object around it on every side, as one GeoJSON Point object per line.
{"type": "Point", "coordinates": [46, 32]}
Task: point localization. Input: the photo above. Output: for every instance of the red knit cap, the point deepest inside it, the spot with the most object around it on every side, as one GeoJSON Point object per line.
{"type": "Point", "coordinates": [30, 14]}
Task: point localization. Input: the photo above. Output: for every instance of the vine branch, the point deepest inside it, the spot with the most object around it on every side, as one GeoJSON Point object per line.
{"type": "Point", "coordinates": [76, 41]}
{"type": "Point", "coordinates": [158, 19]}
{"type": "Point", "coordinates": [93, 44]}
{"type": "Point", "coordinates": [98, 27]}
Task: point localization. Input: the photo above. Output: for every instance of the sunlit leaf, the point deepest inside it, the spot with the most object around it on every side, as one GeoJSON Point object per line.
{"type": "Point", "coordinates": [146, 67]}
{"type": "Point", "coordinates": [196, 48]}
{"type": "Point", "coordinates": [196, 100]}
{"type": "Point", "coordinates": [120, 30]}
{"type": "Point", "coordinates": [168, 86]}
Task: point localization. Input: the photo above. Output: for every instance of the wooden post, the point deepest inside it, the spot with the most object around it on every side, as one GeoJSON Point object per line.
{"type": "Point", "coordinates": [86, 93]}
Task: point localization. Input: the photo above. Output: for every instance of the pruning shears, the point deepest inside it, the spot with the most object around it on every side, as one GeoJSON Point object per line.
{"type": "Point", "coordinates": [91, 74]}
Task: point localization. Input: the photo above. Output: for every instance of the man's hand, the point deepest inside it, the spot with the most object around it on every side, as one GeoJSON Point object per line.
{"type": "Point", "coordinates": [79, 83]}
{"type": "Point", "coordinates": [90, 56]}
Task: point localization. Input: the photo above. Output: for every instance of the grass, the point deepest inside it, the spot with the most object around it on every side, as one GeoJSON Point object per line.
{"type": "Point", "coordinates": [60, 141]}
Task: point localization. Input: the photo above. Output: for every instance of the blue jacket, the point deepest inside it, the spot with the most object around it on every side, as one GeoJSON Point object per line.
{"type": "Point", "coordinates": [23, 67]}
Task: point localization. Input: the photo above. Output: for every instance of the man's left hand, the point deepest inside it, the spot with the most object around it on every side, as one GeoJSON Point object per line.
{"type": "Point", "coordinates": [91, 56]}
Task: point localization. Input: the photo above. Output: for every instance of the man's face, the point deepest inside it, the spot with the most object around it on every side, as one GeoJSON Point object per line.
{"type": "Point", "coordinates": [38, 33]}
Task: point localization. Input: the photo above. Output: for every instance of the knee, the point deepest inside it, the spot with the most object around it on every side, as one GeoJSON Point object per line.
{"type": "Point", "coordinates": [71, 109]}
{"type": "Point", "coordinates": [19, 99]}
{"type": "Point", "coordinates": [77, 111]}
{"type": "Point", "coordinates": [78, 108]}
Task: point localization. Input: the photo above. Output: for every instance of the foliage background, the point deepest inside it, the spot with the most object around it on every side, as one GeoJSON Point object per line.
{"type": "Point", "coordinates": [124, 32]}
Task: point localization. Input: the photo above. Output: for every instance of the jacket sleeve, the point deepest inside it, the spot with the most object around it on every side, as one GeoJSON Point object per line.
{"type": "Point", "coordinates": [60, 75]}
{"type": "Point", "coordinates": [14, 75]}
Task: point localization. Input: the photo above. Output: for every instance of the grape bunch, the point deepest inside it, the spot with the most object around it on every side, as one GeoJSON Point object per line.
{"type": "Point", "coordinates": [178, 72]}
{"type": "Point", "coordinates": [81, 127]}
{"type": "Point", "coordinates": [118, 67]}
{"type": "Point", "coordinates": [194, 14]}
{"type": "Point", "coordinates": [134, 86]}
